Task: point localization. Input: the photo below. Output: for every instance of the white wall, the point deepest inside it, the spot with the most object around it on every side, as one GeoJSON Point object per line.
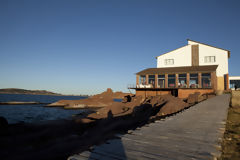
{"type": "Point", "coordinates": [221, 57]}
{"type": "Point", "coordinates": [234, 77]}
{"type": "Point", "coordinates": [182, 57]}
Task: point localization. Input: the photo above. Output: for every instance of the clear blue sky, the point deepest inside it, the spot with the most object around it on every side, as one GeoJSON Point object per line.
{"type": "Point", "coordinates": [86, 46]}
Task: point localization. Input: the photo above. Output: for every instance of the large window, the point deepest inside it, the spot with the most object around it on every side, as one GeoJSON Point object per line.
{"type": "Point", "coordinates": [234, 83]}
{"type": "Point", "coordinates": [182, 80]}
{"type": "Point", "coordinates": [206, 80]}
{"type": "Point", "coordinates": [151, 80]}
{"type": "Point", "coordinates": [171, 80]}
{"type": "Point", "coordinates": [169, 61]}
{"type": "Point", "coordinates": [193, 80]}
{"type": "Point", "coordinates": [142, 80]}
{"type": "Point", "coordinates": [209, 59]}
{"type": "Point", "coordinates": [161, 81]}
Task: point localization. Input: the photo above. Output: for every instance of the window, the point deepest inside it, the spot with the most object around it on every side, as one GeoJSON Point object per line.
{"type": "Point", "coordinates": [169, 61]}
{"type": "Point", "coordinates": [234, 83]}
{"type": "Point", "coordinates": [193, 80]}
{"type": "Point", "coordinates": [209, 59]}
{"type": "Point", "coordinates": [171, 80]}
{"type": "Point", "coordinates": [161, 81]}
{"type": "Point", "coordinates": [206, 80]}
{"type": "Point", "coordinates": [142, 79]}
{"type": "Point", "coordinates": [182, 80]}
{"type": "Point", "coordinates": [151, 80]}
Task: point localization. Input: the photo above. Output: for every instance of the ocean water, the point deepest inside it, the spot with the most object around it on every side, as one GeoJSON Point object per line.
{"type": "Point", "coordinates": [35, 113]}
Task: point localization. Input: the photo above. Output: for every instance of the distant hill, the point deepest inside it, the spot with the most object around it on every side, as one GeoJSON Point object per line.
{"type": "Point", "coordinates": [24, 91]}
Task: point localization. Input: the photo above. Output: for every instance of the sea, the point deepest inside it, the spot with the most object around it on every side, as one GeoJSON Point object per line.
{"type": "Point", "coordinates": [36, 113]}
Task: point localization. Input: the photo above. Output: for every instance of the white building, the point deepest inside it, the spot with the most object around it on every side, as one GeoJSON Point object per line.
{"type": "Point", "coordinates": [198, 54]}
{"type": "Point", "coordinates": [195, 67]}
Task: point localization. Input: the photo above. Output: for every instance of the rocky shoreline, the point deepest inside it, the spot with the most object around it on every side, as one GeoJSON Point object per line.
{"type": "Point", "coordinates": [60, 139]}
{"type": "Point", "coordinates": [19, 103]}
{"type": "Point", "coordinates": [97, 101]}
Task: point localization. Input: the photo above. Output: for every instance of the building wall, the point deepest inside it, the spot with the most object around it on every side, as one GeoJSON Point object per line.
{"type": "Point", "coordinates": [220, 83]}
{"type": "Point", "coordinates": [221, 57]}
{"type": "Point", "coordinates": [234, 77]}
{"type": "Point", "coordinates": [182, 57]}
{"type": "Point", "coordinates": [184, 93]}
{"type": "Point", "coordinates": [151, 93]}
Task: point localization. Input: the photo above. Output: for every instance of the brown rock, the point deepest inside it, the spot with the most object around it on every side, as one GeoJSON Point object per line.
{"type": "Point", "coordinates": [173, 105]}
{"type": "Point", "coordinates": [3, 122]}
{"type": "Point", "coordinates": [193, 98]}
{"type": "Point", "coordinates": [100, 100]}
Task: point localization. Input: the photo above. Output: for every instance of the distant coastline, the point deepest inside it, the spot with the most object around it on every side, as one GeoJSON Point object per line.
{"type": "Point", "coordinates": [32, 92]}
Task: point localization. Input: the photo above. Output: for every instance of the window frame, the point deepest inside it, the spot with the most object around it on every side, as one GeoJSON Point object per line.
{"type": "Point", "coordinates": [193, 78]}
{"type": "Point", "coordinates": [182, 78]}
{"type": "Point", "coordinates": [151, 78]}
{"type": "Point", "coordinates": [206, 76]}
{"type": "Point", "coordinates": [209, 59]}
{"type": "Point", "coordinates": [161, 78]}
{"type": "Point", "coordinates": [169, 61]}
{"type": "Point", "coordinates": [170, 78]}
{"type": "Point", "coordinates": [144, 79]}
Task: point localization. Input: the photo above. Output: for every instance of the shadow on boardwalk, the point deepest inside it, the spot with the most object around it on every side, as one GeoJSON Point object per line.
{"type": "Point", "coordinates": [192, 134]}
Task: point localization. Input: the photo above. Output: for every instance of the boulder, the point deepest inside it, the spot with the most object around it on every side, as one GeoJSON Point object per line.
{"type": "Point", "coordinates": [193, 98]}
{"type": "Point", "coordinates": [172, 105]}
{"type": "Point", "coordinates": [3, 122]}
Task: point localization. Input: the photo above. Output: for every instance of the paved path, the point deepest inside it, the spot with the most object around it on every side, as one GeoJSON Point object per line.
{"type": "Point", "coordinates": [192, 134]}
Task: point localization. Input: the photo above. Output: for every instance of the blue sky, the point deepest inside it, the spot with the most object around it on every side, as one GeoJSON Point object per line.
{"type": "Point", "coordinates": [86, 46]}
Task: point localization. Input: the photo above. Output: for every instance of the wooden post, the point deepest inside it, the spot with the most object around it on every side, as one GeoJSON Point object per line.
{"type": "Point", "coordinates": [214, 80]}
{"type": "Point", "coordinates": [156, 80]}
{"type": "Point", "coordinates": [188, 79]}
{"type": "Point", "coordinates": [227, 81]}
{"type": "Point", "coordinates": [176, 81]}
{"type": "Point", "coordinates": [199, 80]}
{"type": "Point", "coordinates": [166, 80]}
{"type": "Point", "coordinates": [137, 80]}
{"type": "Point", "coordinates": [146, 78]}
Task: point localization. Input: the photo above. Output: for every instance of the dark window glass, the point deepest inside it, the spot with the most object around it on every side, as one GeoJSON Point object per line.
{"type": "Point", "coordinates": [193, 80]}
{"type": "Point", "coordinates": [182, 80]}
{"type": "Point", "coordinates": [161, 81]}
{"type": "Point", "coordinates": [171, 80]}
{"type": "Point", "coordinates": [206, 80]}
{"type": "Point", "coordinates": [151, 79]}
{"type": "Point", "coordinates": [234, 83]}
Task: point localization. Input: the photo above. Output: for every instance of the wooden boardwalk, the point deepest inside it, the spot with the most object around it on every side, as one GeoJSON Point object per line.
{"type": "Point", "coordinates": [193, 134]}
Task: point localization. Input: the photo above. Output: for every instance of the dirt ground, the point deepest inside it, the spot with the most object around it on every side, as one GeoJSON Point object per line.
{"type": "Point", "coordinates": [231, 141]}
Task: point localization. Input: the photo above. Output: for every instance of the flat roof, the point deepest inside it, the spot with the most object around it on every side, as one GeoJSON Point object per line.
{"type": "Point", "coordinates": [234, 77]}
{"type": "Point", "coordinates": [173, 70]}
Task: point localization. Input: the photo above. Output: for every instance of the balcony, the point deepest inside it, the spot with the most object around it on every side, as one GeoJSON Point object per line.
{"type": "Point", "coordinates": [171, 86]}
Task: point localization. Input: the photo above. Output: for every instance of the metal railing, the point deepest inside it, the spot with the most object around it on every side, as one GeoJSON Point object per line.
{"type": "Point", "coordinates": [192, 86]}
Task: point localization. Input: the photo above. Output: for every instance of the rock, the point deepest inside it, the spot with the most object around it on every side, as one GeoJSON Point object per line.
{"type": "Point", "coordinates": [126, 99]}
{"type": "Point", "coordinates": [100, 100]}
{"type": "Point", "coordinates": [18, 103]}
{"type": "Point", "coordinates": [3, 122]}
{"type": "Point", "coordinates": [193, 98]}
{"type": "Point", "coordinates": [172, 105]}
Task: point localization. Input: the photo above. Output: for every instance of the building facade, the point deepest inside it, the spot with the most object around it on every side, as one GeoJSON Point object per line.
{"type": "Point", "coordinates": [195, 67]}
